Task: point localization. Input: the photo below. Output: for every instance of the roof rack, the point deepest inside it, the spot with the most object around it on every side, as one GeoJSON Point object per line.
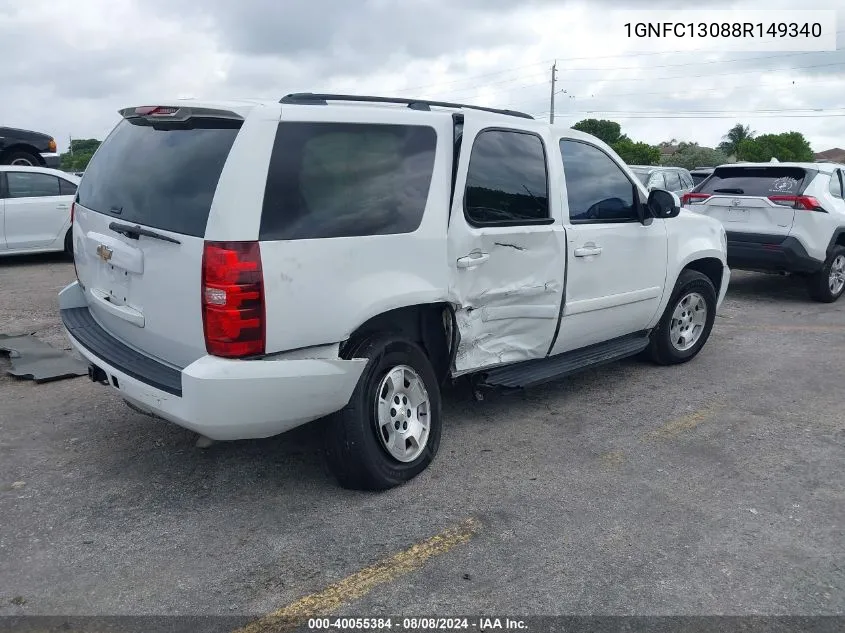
{"type": "Point", "coordinates": [311, 98]}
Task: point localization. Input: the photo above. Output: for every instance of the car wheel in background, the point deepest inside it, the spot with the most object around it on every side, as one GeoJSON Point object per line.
{"type": "Point", "coordinates": [828, 284]}
{"type": "Point", "coordinates": [22, 159]}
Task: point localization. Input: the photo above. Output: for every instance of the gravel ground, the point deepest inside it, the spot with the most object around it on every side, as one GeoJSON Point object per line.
{"type": "Point", "coordinates": [711, 488]}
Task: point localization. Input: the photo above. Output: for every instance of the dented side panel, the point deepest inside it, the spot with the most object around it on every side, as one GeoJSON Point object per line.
{"type": "Point", "coordinates": [508, 308]}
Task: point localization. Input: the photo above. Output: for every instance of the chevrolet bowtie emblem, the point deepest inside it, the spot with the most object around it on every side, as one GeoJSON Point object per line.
{"type": "Point", "coordinates": [104, 252]}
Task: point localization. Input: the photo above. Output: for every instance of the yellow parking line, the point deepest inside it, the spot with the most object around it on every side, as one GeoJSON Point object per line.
{"type": "Point", "coordinates": [362, 582]}
{"type": "Point", "coordinates": [684, 423]}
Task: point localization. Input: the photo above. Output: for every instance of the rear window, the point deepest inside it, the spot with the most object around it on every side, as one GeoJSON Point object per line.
{"type": "Point", "coordinates": [347, 179]}
{"type": "Point", "coordinates": [158, 174]}
{"type": "Point", "coordinates": [755, 181]}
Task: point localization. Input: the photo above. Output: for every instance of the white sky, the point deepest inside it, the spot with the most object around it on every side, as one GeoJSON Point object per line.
{"type": "Point", "coordinates": [69, 65]}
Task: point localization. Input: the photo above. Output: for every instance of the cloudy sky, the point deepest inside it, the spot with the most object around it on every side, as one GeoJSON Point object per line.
{"type": "Point", "coordinates": [69, 65]}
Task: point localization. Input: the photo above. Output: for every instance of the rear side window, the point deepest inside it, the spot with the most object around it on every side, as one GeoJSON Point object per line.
{"type": "Point", "coordinates": [755, 181]}
{"type": "Point", "coordinates": [158, 174]}
{"type": "Point", "coordinates": [686, 180]}
{"type": "Point", "coordinates": [347, 179]}
{"type": "Point", "coordinates": [836, 184]}
{"type": "Point", "coordinates": [657, 181]}
{"type": "Point", "coordinates": [506, 179]}
{"type": "Point", "coordinates": [66, 187]}
{"type": "Point", "coordinates": [673, 181]}
{"type": "Point", "coordinates": [31, 185]}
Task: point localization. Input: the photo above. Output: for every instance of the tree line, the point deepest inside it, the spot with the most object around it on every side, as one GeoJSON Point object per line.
{"type": "Point", "coordinates": [740, 143]}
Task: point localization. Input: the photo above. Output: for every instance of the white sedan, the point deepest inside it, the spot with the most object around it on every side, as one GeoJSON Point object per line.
{"type": "Point", "coordinates": [35, 210]}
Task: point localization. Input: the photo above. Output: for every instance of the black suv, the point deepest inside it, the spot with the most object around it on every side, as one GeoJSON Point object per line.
{"type": "Point", "coordinates": [27, 148]}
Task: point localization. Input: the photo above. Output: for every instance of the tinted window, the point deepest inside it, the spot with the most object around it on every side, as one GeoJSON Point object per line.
{"type": "Point", "coordinates": [347, 179]}
{"type": "Point", "coordinates": [697, 178]}
{"type": "Point", "coordinates": [162, 175]}
{"type": "Point", "coordinates": [657, 181]}
{"type": "Point", "coordinates": [673, 181]}
{"type": "Point", "coordinates": [755, 181]}
{"type": "Point", "coordinates": [31, 184]}
{"type": "Point", "coordinates": [596, 187]}
{"type": "Point", "coordinates": [836, 184]}
{"type": "Point", "coordinates": [66, 187]}
{"type": "Point", "coordinates": [506, 180]}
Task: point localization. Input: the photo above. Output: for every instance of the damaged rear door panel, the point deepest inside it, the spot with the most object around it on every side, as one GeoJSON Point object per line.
{"type": "Point", "coordinates": [506, 246]}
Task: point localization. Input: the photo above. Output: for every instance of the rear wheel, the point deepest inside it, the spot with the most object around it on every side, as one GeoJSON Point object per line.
{"type": "Point", "coordinates": [828, 284]}
{"type": "Point", "coordinates": [390, 430]}
{"type": "Point", "coordinates": [686, 324]}
{"type": "Point", "coordinates": [22, 159]}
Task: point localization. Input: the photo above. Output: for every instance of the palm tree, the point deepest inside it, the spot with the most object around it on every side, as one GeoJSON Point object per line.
{"type": "Point", "coordinates": [734, 137]}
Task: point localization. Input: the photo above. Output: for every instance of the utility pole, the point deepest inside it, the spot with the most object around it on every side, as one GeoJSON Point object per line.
{"type": "Point", "coordinates": [70, 144]}
{"type": "Point", "coordinates": [552, 98]}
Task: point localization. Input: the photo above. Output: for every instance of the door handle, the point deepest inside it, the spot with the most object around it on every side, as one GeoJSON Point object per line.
{"type": "Point", "coordinates": [473, 259]}
{"type": "Point", "coordinates": [63, 206]}
{"type": "Point", "coordinates": [588, 249]}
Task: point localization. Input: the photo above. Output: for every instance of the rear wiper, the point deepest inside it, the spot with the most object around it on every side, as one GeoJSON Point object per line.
{"type": "Point", "coordinates": [134, 232]}
{"type": "Point", "coordinates": [737, 192]}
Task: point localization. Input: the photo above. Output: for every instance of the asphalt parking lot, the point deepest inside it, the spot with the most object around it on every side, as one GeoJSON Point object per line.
{"type": "Point", "coordinates": [717, 487]}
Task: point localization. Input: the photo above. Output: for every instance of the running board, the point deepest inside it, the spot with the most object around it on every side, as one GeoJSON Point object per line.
{"type": "Point", "coordinates": [535, 372]}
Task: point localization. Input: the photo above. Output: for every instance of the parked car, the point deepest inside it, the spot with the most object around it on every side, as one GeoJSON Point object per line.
{"type": "Point", "coordinates": [26, 148]}
{"type": "Point", "coordinates": [35, 210]}
{"type": "Point", "coordinates": [700, 174]}
{"type": "Point", "coordinates": [346, 260]}
{"type": "Point", "coordinates": [781, 217]}
{"type": "Point", "coordinates": [674, 179]}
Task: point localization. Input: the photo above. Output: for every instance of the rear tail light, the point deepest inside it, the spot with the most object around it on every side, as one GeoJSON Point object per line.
{"type": "Point", "coordinates": [694, 198]}
{"type": "Point", "coordinates": [73, 255]}
{"type": "Point", "coordinates": [806, 203]}
{"type": "Point", "coordinates": [156, 111]}
{"type": "Point", "coordinates": [233, 299]}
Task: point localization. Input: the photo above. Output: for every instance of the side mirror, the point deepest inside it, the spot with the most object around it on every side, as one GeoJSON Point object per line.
{"type": "Point", "coordinates": [663, 204]}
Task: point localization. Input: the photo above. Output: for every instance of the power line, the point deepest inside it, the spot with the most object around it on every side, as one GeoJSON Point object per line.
{"type": "Point", "coordinates": [572, 59]}
{"type": "Point", "coordinates": [622, 55]}
{"type": "Point", "coordinates": [718, 116]}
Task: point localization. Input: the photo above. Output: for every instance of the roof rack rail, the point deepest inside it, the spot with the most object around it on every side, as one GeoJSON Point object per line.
{"type": "Point", "coordinates": [310, 98]}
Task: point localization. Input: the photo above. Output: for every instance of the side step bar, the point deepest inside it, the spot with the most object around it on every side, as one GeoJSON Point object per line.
{"type": "Point", "coordinates": [536, 372]}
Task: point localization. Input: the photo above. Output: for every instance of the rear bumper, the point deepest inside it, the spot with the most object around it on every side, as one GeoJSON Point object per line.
{"type": "Point", "coordinates": [775, 253]}
{"type": "Point", "coordinates": [220, 398]}
{"type": "Point", "coordinates": [51, 160]}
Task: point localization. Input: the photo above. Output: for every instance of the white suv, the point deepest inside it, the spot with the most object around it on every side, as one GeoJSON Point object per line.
{"type": "Point", "coordinates": [781, 217]}
{"type": "Point", "coordinates": [244, 268]}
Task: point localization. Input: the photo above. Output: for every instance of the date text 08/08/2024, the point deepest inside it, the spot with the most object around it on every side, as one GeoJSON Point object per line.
{"type": "Point", "coordinates": [416, 624]}
{"type": "Point", "coordinates": [723, 29]}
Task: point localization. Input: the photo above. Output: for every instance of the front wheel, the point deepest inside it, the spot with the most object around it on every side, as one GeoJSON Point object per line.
{"type": "Point", "coordinates": [22, 159]}
{"type": "Point", "coordinates": [686, 324]}
{"type": "Point", "coordinates": [389, 432]}
{"type": "Point", "coordinates": [828, 284]}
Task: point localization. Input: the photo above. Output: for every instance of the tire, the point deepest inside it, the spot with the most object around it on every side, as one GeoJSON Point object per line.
{"type": "Point", "coordinates": [69, 243]}
{"type": "Point", "coordinates": [828, 284]}
{"type": "Point", "coordinates": [356, 453]}
{"type": "Point", "coordinates": [696, 289]}
{"type": "Point", "coordinates": [21, 158]}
